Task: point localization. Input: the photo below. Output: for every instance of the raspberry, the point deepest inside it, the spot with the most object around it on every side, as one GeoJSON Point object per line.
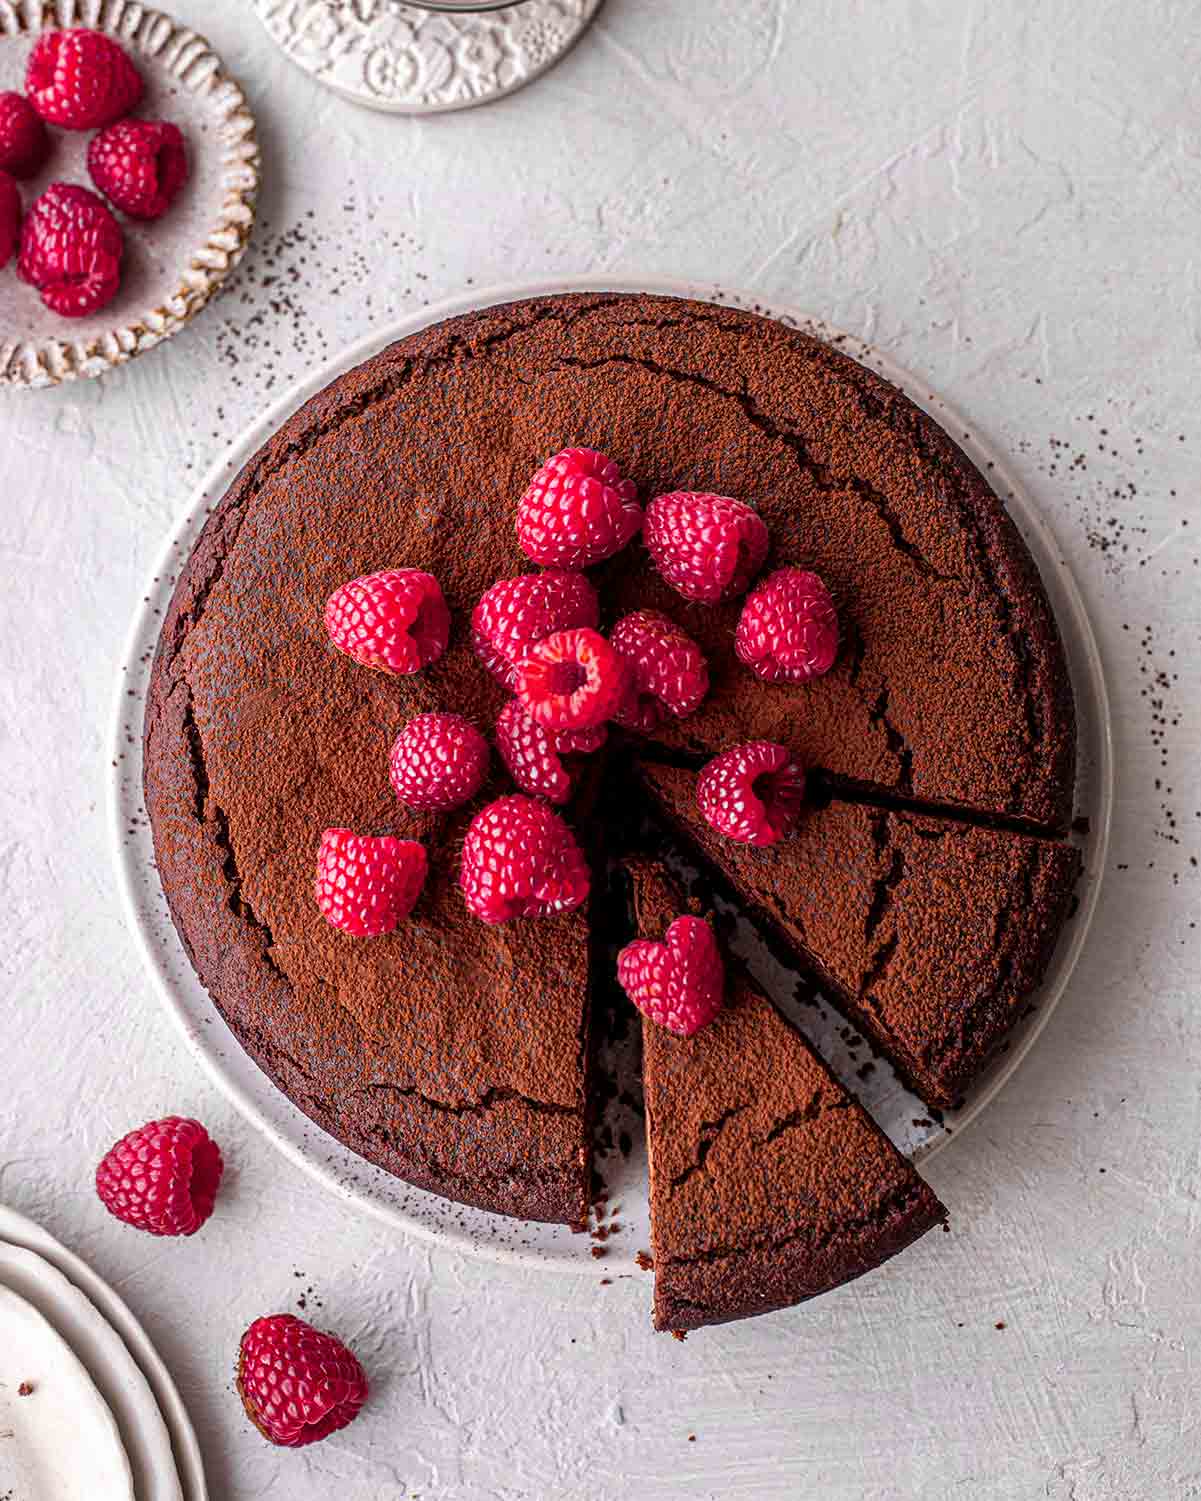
{"type": "Point", "coordinates": [395, 622]}
{"type": "Point", "coordinates": [367, 886]}
{"type": "Point", "coordinates": [707, 547]}
{"type": "Point", "coordinates": [81, 79]}
{"type": "Point", "coordinates": [669, 671]}
{"type": "Point", "coordinates": [752, 793]}
{"type": "Point", "coordinates": [162, 1178]}
{"type": "Point", "coordinates": [788, 631]}
{"type": "Point", "coordinates": [521, 860]}
{"type": "Point", "coordinates": [139, 166]}
{"type": "Point", "coordinates": [677, 984]}
{"type": "Point", "coordinates": [438, 761]}
{"type": "Point", "coordinates": [573, 680]}
{"type": "Point", "coordinates": [518, 613]}
{"type": "Point", "coordinates": [10, 217]}
{"type": "Point", "coordinates": [577, 511]}
{"type": "Point", "coordinates": [297, 1384]}
{"type": "Point", "coordinates": [71, 248]}
{"type": "Point", "coordinates": [534, 754]}
{"type": "Point", "coordinates": [24, 140]}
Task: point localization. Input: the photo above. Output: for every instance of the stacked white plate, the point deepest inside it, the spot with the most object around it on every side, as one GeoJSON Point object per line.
{"type": "Point", "coordinates": [87, 1408]}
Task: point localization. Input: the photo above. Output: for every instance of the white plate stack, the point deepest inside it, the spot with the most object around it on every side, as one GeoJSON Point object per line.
{"type": "Point", "coordinates": [87, 1408]}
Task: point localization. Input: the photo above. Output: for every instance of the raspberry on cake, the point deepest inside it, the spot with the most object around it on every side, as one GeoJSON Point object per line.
{"type": "Point", "coordinates": [788, 630]}
{"type": "Point", "coordinates": [577, 511]}
{"type": "Point", "coordinates": [81, 79]}
{"type": "Point", "coordinates": [396, 621]}
{"type": "Point", "coordinates": [24, 140]}
{"type": "Point", "coordinates": [367, 886]}
{"type": "Point", "coordinates": [139, 165]}
{"type": "Point", "coordinates": [670, 676]}
{"type": "Point", "coordinates": [707, 547]}
{"type": "Point", "coordinates": [297, 1384]}
{"type": "Point", "coordinates": [573, 680]}
{"type": "Point", "coordinates": [678, 983]}
{"type": "Point", "coordinates": [534, 754]}
{"type": "Point", "coordinates": [71, 249]}
{"type": "Point", "coordinates": [521, 860]}
{"type": "Point", "coordinates": [516, 614]}
{"type": "Point", "coordinates": [162, 1178]}
{"type": "Point", "coordinates": [752, 793]}
{"type": "Point", "coordinates": [438, 761]}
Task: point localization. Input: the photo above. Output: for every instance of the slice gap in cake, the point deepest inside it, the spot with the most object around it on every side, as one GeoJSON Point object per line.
{"type": "Point", "coordinates": [930, 933]}
{"type": "Point", "coordinates": [769, 1183]}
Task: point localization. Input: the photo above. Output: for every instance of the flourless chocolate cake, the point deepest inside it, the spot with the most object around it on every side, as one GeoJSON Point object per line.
{"type": "Point", "coordinates": [929, 932]}
{"type": "Point", "coordinates": [455, 1054]}
{"type": "Point", "coordinates": [769, 1182]}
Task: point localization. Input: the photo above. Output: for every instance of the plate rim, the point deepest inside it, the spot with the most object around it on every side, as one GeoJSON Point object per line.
{"type": "Point", "coordinates": [1068, 605]}
{"type": "Point", "coordinates": [109, 1309]}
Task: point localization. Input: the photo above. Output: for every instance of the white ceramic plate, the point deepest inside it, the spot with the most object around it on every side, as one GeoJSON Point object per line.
{"type": "Point", "coordinates": [899, 1113]}
{"type": "Point", "coordinates": [154, 1427]}
{"type": "Point", "coordinates": [171, 267]}
{"type": "Point", "coordinates": [58, 1440]}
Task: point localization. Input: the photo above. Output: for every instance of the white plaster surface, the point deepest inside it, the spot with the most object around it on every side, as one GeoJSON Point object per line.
{"type": "Point", "coordinates": [1005, 198]}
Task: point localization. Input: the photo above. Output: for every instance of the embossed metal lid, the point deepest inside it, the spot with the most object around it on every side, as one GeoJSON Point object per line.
{"type": "Point", "coordinates": [428, 56]}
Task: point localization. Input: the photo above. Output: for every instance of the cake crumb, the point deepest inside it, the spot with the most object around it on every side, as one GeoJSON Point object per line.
{"type": "Point", "coordinates": [599, 1251]}
{"type": "Point", "coordinates": [644, 1261]}
{"type": "Point", "coordinates": [25, 1389]}
{"type": "Point", "coordinates": [680, 1334]}
{"type": "Point", "coordinates": [1000, 1324]}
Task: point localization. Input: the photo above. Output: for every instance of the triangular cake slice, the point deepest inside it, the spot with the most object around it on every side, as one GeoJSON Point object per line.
{"type": "Point", "coordinates": [769, 1182]}
{"type": "Point", "coordinates": [929, 932]}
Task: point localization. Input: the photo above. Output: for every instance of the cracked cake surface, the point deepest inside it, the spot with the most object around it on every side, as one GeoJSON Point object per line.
{"type": "Point", "coordinates": [451, 1054]}
{"type": "Point", "coordinates": [769, 1182]}
{"type": "Point", "coordinates": [930, 933]}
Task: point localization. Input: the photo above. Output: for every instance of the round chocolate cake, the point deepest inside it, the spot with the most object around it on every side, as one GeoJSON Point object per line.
{"type": "Point", "coordinates": [456, 1054]}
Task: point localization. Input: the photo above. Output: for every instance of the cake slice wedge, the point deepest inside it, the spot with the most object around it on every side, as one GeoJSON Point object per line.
{"type": "Point", "coordinates": [769, 1182]}
{"type": "Point", "coordinates": [929, 932]}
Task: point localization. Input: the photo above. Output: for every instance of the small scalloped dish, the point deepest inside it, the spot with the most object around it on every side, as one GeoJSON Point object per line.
{"type": "Point", "coordinates": [173, 266]}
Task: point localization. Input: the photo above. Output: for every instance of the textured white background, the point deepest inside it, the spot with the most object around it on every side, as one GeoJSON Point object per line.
{"type": "Point", "coordinates": [1004, 197]}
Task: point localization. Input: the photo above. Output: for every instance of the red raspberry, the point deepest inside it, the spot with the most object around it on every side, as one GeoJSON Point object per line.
{"type": "Point", "coordinates": [139, 165]}
{"type": "Point", "coordinates": [395, 622]}
{"type": "Point", "coordinates": [577, 511]}
{"type": "Point", "coordinates": [438, 761]}
{"type": "Point", "coordinates": [788, 631]}
{"type": "Point", "coordinates": [752, 793]}
{"type": "Point", "coordinates": [71, 248]}
{"type": "Point", "coordinates": [521, 860]}
{"type": "Point", "coordinates": [573, 680]}
{"type": "Point", "coordinates": [518, 613]}
{"type": "Point", "coordinates": [707, 547]}
{"type": "Point", "coordinates": [534, 754]}
{"type": "Point", "coordinates": [81, 79]}
{"type": "Point", "coordinates": [297, 1384]}
{"type": "Point", "coordinates": [24, 140]}
{"type": "Point", "coordinates": [368, 886]}
{"type": "Point", "coordinates": [162, 1178]}
{"type": "Point", "coordinates": [669, 671]}
{"type": "Point", "coordinates": [10, 217]}
{"type": "Point", "coordinates": [679, 983]}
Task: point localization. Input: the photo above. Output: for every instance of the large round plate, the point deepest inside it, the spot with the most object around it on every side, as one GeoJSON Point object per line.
{"type": "Point", "coordinates": [107, 1339]}
{"type": "Point", "coordinates": [60, 1438]}
{"type": "Point", "coordinates": [171, 267]}
{"type": "Point", "coordinates": [900, 1113]}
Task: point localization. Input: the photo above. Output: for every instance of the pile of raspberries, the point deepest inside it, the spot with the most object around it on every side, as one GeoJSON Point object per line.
{"type": "Point", "coordinates": [70, 242]}
{"type": "Point", "coordinates": [537, 634]}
